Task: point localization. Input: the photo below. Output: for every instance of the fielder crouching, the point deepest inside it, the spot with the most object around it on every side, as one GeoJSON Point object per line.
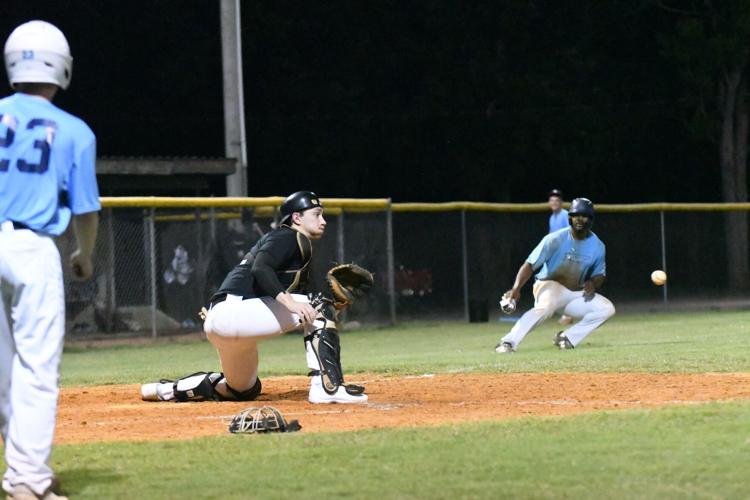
{"type": "Point", "coordinates": [571, 268]}
{"type": "Point", "coordinates": [257, 300]}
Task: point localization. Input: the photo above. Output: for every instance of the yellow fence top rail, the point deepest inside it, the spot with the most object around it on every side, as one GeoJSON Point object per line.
{"type": "Point", "coordinates": [382, 204]}
{"type": "Point", "coordinates": [376, 204]}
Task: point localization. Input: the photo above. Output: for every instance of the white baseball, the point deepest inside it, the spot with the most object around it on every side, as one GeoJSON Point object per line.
{"type": "Point", "coordinates": [508, 305]}
{"type": "Point", "coordinates": [659, 277]}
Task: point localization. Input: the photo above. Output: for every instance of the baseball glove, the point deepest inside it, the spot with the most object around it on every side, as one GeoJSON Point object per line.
{"type": "Point", "coordinates": [348, 282]}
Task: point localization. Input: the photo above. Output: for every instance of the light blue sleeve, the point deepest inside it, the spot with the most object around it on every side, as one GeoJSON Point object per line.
{"type": "Point", "coordinates": [540, 254]}
{"type": "Point", "coordinates": [600, 267]}
{"type": "Point", "coordinates": [83, 192]}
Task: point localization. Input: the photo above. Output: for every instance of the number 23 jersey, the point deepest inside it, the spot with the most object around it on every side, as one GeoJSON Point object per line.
{"type": "Point", "coordinates": [47, 164]}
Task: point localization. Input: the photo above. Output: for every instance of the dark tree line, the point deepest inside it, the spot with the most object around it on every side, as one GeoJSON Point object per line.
{"type": "Point", "coordinates": [621, 101]}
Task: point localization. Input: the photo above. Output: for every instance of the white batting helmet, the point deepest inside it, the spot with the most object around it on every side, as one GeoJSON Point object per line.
{"type": "Point", "coordinates": [38, 52]}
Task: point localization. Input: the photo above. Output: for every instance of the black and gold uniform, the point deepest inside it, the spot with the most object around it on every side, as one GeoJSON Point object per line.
{"type": "Point", "coordinates": [245, 310]}
{"type": "Point", "coordinates": [278, 262]}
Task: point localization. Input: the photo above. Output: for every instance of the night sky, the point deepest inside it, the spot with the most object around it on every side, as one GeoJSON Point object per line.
{"type": "Point", "coordinates": [418, 101]}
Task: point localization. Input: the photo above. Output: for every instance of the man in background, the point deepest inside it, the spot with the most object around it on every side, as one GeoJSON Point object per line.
{"type": "Point", "coordinates": [558, 219]}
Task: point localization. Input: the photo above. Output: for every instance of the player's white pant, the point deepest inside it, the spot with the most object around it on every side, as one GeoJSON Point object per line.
{"type": "Point", "coordinates": [551, 297]}
{"type": "Point", "coordinates": [32, 327]}
{"type": "Point", "coordinates": [234, 326]}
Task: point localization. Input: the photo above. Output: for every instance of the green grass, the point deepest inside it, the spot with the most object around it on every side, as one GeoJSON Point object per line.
{"type": "Point", "coordinates": [680, 452]}
{"type": "Point", "coordinates": [697, 451]}
{"type": "Point", "coordinates": [700, 342]}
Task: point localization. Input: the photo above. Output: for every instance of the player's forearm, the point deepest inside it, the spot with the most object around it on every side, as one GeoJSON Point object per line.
{"type": "Point", "coordinates": [86, 227]}
{"type": "Point", "coordinates": [524, 273]}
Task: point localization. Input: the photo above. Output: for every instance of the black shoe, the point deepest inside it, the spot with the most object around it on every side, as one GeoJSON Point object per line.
{"type": "Point", "coordinates": [562, 342]}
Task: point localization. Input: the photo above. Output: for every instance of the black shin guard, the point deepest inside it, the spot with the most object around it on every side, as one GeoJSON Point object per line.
{"type": "Point", "coordinates": [200, 386]}
{"type": "Point", "coordinates": [325, 344]}
{"type": "Point", "coordinates": [248, 395]}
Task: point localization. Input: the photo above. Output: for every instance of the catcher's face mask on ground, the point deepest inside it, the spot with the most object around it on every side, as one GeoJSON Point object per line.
{"type": "Point", "coordinates": [310, 222]}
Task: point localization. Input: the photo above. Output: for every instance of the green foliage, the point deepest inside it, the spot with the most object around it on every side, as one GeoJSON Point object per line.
{"type": "Point", "coordinates": [679, 452]}
{"type": "Point", "coordinates": [706, 42]}
{"type": "Point", "coordinates": [662, 342]}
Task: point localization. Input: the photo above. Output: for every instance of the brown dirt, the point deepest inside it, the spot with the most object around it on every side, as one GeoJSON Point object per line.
{"type": "Point", "coordinates": [116, 413]}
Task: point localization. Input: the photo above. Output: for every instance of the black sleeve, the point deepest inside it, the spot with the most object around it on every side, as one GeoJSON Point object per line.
{"type": "Point", "coordinates": [271, 257]}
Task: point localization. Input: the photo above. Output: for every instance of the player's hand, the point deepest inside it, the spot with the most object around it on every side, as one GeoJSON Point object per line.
{"type": "Point", "coordinates": [304, 311]}
{"type": "Point", "coordinates": [513, 294]}
{"type": "Point", "coordinates": [81, 266]}
{"type": "Point", "coordinates": [589, 290]}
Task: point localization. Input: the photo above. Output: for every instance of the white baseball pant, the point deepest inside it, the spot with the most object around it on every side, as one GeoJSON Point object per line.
{"type": "Point", "coordinates": [234, 327]}
{"type": "Point", "coordinates": [551, 297]}
{"type": "Point", "coordinates": [32, 328]}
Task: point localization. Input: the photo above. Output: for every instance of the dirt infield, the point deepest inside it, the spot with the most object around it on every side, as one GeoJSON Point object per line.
{"type": "Point", "coordinates": [116, 413]}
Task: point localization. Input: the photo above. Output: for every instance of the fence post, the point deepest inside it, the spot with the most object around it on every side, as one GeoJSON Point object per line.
{"type": "Point", "coordinates": [340, 239]}
{"type": "Point", "coordinates": [465, 258]}
{"type": "Point", "coordinates": [391, 263]}
{"type": "Point", "coordinates": [199, 234]}
{"type": "Point", "coordinates": [152, 253]}
{"type": "Point", "coordinates": [212, 223]}
{"type": "Point", "coordinates": [663, 255]}
{"type": "Point", "coordinates": [111, 298]}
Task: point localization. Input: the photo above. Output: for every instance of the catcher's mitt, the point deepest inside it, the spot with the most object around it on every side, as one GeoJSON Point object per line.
{"type": "Point", "coordinates": [348, 282]}
{"type": "Point", "coordinates": [259, 420]}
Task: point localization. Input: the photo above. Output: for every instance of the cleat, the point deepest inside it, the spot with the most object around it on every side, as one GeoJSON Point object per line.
{"type": "Point", "coordinates": [23, 492]}
{"type": "Point", "coordinates": [149, 392]}
{"type": "Point", "coordinates": [562, 342]}
{"type": "Point", "coordinates": [504, 347]}
{"type": "Point", "coordinates": [318, 395]}
{"type": "Point", "coordinates": [158, 391]}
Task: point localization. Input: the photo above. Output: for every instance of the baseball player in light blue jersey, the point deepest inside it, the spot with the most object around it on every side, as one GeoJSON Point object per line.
{"type": "Point", "coordinates": [558, 219]}
{"type": "Point", "coordinates": [570, 267]}
{"type": "Point", "coordinates": [47, 179]}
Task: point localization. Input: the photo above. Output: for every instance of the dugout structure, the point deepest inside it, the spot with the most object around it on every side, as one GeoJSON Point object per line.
{"type": "Point", "coordinates": [159, 259]}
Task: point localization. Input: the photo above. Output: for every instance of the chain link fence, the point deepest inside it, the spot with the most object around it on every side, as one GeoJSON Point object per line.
{"type": "Point", "coordinates": [156, 266]}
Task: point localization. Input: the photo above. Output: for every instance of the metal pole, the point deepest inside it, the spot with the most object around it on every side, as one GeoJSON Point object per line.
{"type": "Point", "coordinates": [152, 253]}
{"type": "Point", "coordinates": [199, 235]}
{"type": "Point", "coordinates": [111, 299]}
{"type": "Point", "coordinates": [465, 257]}
{"type": "Point", "coordinates": [340, 239]}
{"type": "Point", "coordinates": [340, 255]}
{"type": "Point", "coordinates": [212, 224]}
{"type": "Point", "coordinates": [663, 255]}
{"type": "Point", "coordinates": [391, 262]}
{"type": "Point", "coordinates": [235, 142]}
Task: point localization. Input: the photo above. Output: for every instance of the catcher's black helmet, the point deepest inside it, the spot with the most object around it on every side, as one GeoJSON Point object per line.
{"type": "Point", "coordinates": [298, 202]}
{"type": "Point", "coordinates": [582, 206]}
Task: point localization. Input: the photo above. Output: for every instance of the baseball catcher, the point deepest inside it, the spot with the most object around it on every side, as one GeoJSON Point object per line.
{"type": "Point", "coordinates": [261, 298]}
